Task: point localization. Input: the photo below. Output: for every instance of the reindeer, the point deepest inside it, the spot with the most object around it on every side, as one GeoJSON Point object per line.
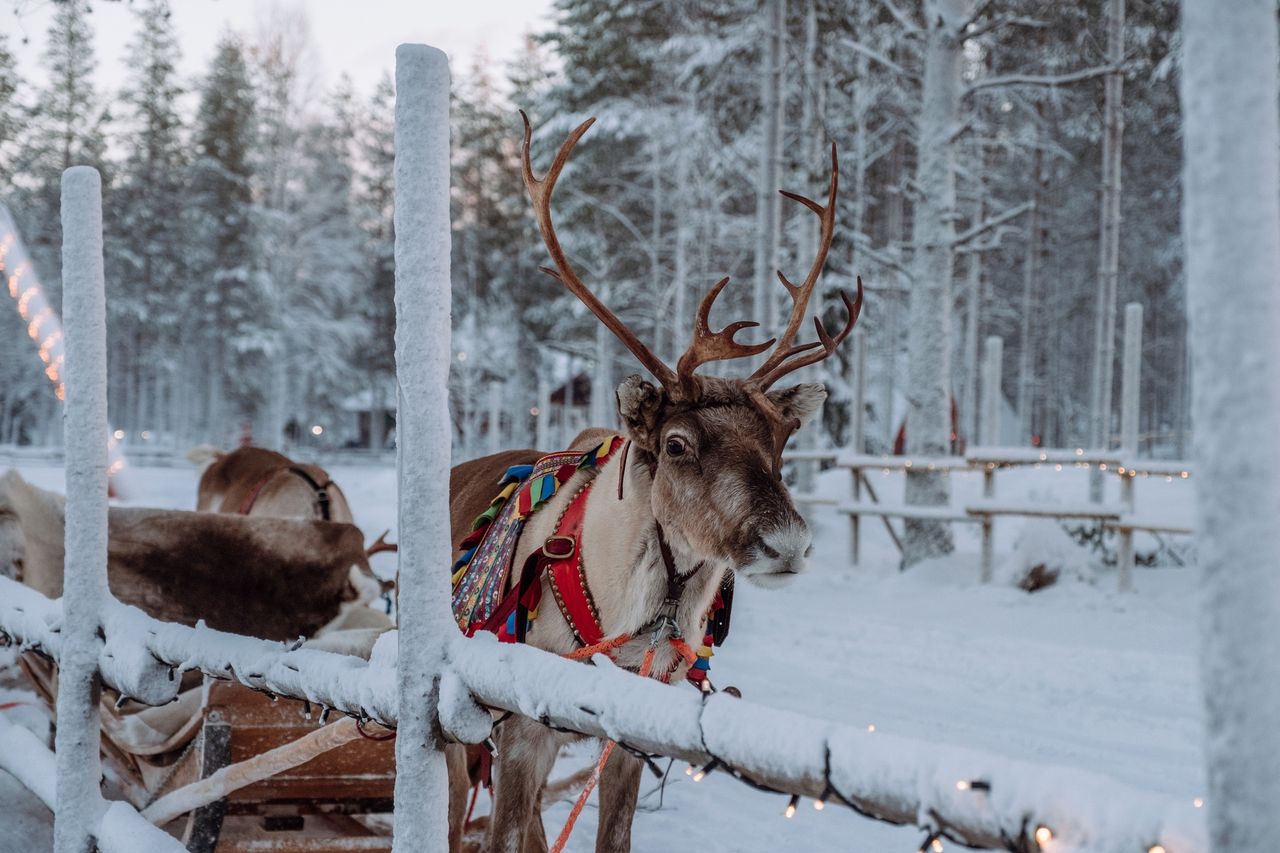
{"type": "Point", "coordinates": [695, 496]}
{"type": "Point", "coordinates": [260, 482]}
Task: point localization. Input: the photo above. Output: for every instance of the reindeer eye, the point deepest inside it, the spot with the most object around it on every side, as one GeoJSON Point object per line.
{"type": "Point", "coordinates": [676, 446]}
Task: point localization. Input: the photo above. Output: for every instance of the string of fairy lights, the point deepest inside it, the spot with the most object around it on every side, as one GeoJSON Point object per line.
{"type": "Point", "coordinates": [1028, 838]}
{"type": "Point", "coordinates": [43, 325]}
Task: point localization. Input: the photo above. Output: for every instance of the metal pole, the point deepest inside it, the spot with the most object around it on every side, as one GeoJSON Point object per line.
{"type": "Point", "coordinates": [79, 799]}
{"type": "Point", "coordinates": [423, 436]}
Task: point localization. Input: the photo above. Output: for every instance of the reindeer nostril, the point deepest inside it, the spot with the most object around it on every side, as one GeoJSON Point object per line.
{"type": "Point", "coordinates": [768, 552]}
{"type": "Point", "coordinates": [808, 552]}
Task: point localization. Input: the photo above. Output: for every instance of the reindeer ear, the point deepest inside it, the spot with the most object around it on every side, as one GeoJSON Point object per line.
{"type": "Point", "coordinates": [639, 402]}
{"type": "Point", "coordinates": [800, 401]}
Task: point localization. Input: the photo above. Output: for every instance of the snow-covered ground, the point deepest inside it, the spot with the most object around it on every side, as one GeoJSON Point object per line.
{"type": "Point", "coordinates": [1075, 675]}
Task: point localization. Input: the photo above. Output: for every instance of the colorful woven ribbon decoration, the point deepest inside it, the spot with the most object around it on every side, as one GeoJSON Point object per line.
{"type": "Point", "coordinates": [482, 572]}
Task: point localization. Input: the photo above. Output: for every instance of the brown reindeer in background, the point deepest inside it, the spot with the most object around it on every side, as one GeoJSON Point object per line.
{"type": "Point", "coordinates": [698, 494]}
{"type": "Point", "coordinates": [260, 482]}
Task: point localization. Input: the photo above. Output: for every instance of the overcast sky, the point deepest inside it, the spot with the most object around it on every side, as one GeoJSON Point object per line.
{"type": "Point", "coordinates": [358, 37]}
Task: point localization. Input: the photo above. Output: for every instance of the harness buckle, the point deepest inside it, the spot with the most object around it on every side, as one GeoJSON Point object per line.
{"type": "Point", "coordinates": [559, 547]}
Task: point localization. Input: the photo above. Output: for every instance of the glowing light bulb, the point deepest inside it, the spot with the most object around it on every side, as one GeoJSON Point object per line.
{"type": "Point", "coordinates": [871, 727]}
{"type": "Point", "coordinates": [1156, 848]}
{"type": "Point", "coordinates": [1102, 466]}
{"type": "Point", "coordinates": [535, 411]}
{"type": "Point", "coordinates": [119, 434]}
{"type": "Point", "coordinates": [791, 806]}
{"type": "Point", "coordinates": [1043, 835]}
{"type": "Point", "coordinates": [1079, 451]}
{"type": "Point", "coordinates": [819, 805]}
{"type": "Point", "coordinates": [700, 775]}
{"type": "Point", "coordinates": [1198, 803]}
{"type": "Point", "coordinates": [1057, 467]}
{"type": "Point", "coordinates": [688, 771]}
{"type": "Point", "coordinates": [317, 430]}
{"type": "Point", "coordinates": [936, 846]}
{"type": "Point", "coordinates": [963, 785]}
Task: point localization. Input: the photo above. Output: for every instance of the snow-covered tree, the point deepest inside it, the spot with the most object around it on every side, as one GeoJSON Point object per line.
{"type": "Point", "coordinates": [147, 258]}
{"type": "Point", "coordinates": [227, 287]}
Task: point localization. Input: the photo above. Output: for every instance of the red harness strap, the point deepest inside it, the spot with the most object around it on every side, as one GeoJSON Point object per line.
{"type": "Point", "coordinates": [252, 497]}
{"type": "Point", "coordinates": [567, 576]}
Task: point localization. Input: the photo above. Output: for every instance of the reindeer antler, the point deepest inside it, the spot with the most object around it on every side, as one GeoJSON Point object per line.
{"type": "Point", "coordinates": [783, 360]}
{"type": "Point", "coordinates": [540, 195]}
{"type": "Point", "coordinates": [710, 346]}
{"type": "Point", "coordinates": [706, 346]}
{"type": "Point", "coordinates": [381, 544]}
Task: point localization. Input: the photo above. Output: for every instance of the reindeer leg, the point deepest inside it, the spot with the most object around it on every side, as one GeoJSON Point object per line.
{"type": "Point", "coordinates": [526, 753]}
{"type": "Point", "coordinates": [455, 756]}
{"type": "Point", "coordinates": [619, 788]}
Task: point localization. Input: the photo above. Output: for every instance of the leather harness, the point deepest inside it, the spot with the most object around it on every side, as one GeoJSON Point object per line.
{"type": "Point", "coordinates": [560, 559]}
{"type": "Point", "coordinates": [321, 491]}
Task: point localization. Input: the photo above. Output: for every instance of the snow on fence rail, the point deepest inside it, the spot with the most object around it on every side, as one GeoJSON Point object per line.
{"type": "Point", "coordinates": [972, 798]}
{"type": "Point", "coordinates": [987, 460]}
{"type": "Point", "coordinates": [446, 686]}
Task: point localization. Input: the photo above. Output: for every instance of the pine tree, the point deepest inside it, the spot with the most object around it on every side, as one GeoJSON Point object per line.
{"type": "Point", "coordinates": [229, 288]}
{"type": "Point", "coordinates": [147, 262]}
{"type": "Point", "coordinates": [325, 331]}
{"type": "Point", "coordinates": [65, 129]}
{"type": "Point", "coordinates": [10, 120]}
{"type": "Point", "coordinates": [375, 196]}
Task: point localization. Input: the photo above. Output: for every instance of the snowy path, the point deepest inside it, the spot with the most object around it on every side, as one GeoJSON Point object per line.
{"type": "Point", "coordinates": [1075, 675]}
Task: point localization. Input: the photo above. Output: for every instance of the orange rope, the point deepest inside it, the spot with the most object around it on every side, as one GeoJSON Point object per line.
{"type": "Point", "coordinates": [645, 668]}
{"type": "Point", "coordinates": [604, 646]}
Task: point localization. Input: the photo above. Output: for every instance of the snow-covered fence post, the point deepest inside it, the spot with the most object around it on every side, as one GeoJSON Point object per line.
{"type": "Point", "coordinates": [79, 800]}
{"type": "Point", "coordinates": [1130, 382]}
{"type": "Point", "coordinates": [1231, 222]}
{"type": "Point", "coordinates": [992, 381]}
{"type": "Point", "coordinates": [857, 433]}
{"type": "Point", "coordinates": [422, 440]}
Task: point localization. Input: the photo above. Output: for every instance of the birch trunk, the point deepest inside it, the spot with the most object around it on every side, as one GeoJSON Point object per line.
{"type": "Point", "coordinates": [602, 381]}
{"type": "Point", "coordinates": [768, 211]}
{"type": "Point", "coordinates": [896, 228]}
{"type": "Point", "coordinates": [1231, 221]}
{"type": "Point", "coordinates": [680, 274]}
{"type": "Point", "coordinates": [1109, 246]}
{"type": "Point", "coordinates": [929, 335]}
{"type": "Point", "coordinates": [1030, 302]}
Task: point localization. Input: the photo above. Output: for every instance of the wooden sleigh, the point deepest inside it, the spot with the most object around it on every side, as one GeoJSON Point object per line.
{"type": "Point", "coordinates": [225, 768]}
{"type": "Point", "coordinates": [253, 774]}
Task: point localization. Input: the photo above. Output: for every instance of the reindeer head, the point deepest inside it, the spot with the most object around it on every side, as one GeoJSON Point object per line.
{"type": "Point", "coordinates": [714, 445]}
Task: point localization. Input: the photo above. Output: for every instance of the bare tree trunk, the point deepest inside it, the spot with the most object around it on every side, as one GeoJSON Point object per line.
{"type": "Point", "coordinates": [929, 336]}
{"type": "Point", "coordinates": [895, 219]}
{"type": "Point", "coordinates": [768, 211]}
{"type": "Point", "coordinates": [806, 471]}
{"type": "Point", "coordinates": [1109, 246]}
{"type": "Point", "coordinates": [1030, 301]}
{"type": "Point", "coordinates": [1231, 224]}
{"type": "Point", "coordinates": [973, 314]}
{"type": "Point", "coordinates": [602, 383]}
{"type": "Point", "coordinates": [680, 275]}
